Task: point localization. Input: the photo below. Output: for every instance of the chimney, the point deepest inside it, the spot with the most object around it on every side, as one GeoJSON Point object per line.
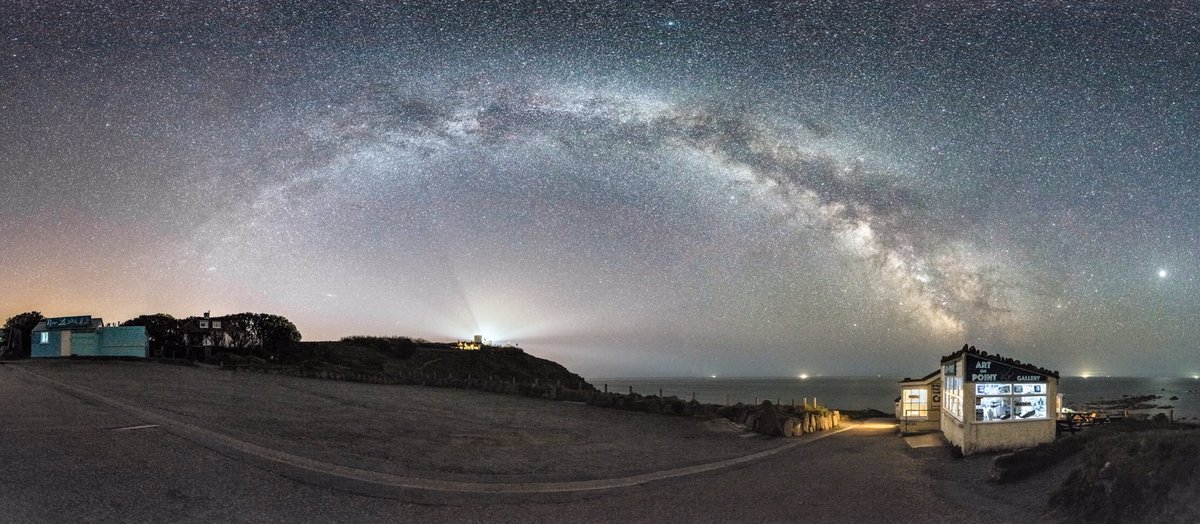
{"type": "Point", "coordinates": [206, 314]}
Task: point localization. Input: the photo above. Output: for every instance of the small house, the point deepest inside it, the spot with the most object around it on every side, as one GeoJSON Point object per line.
{"type": "Point", "coordinates": [919, 406]}
{"type": "Point", "coordinates": [86, 336]}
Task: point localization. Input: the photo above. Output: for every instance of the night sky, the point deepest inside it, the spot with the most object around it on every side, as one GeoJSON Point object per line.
{"type": "Point", "coordinates": [738, 188]}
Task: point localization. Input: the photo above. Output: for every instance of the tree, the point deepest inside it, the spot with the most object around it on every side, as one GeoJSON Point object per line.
{"type": "Point", "coordinates": [163, 332]}
{"type": "Point", "coordinates": [279, 335]}
{"type": "Point", "coordinates": [24, 324]}
{"type": "Point", "coordinates": [269, 335]}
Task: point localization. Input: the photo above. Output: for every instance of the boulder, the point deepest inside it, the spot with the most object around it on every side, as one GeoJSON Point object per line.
{"type": "Point", "coordinates": [768, 421]}
{"type": "Point", "coordinates": [791, 428]}
{"type": "Point", "coordinates": [750, 420]}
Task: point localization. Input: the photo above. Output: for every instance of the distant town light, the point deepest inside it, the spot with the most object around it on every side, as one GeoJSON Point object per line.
{"type": "Point", "coordinates": [804, 376]}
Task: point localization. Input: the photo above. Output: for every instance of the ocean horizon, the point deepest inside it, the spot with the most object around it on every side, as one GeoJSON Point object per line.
{"type": "Point", "coordinates": [879, 392]}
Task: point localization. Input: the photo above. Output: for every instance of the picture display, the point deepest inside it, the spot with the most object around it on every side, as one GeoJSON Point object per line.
{"type": "Point", "coordinates": [1009, 402]}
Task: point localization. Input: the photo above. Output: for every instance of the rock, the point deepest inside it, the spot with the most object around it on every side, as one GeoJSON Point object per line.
{"type": "Point", "coordinates": [750, 420]}
{"type": "Point", "coordinates": [791, 427]}
{"type": "Point", "coordinates": [768, 421]}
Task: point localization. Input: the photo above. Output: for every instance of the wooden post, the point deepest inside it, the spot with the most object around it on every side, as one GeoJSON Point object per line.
{"type": "Point", "coordinates": [659, 392]}
{"type": "Point", "coordinates": [606, 387]}
{"type": "Point", "coordinates": [693, 396]}
{"type": "Point", "coordinates": [630, 390]}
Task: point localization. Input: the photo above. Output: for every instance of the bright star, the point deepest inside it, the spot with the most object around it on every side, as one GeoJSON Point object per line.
{"type": "Point", "coordinates": [1162, 273]}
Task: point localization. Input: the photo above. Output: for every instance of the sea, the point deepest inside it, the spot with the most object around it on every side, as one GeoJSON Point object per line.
{"type": "Point", "coordinates": [878, 392]}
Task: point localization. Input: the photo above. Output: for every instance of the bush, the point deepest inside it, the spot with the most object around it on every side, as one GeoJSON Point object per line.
{"type": "Point", "coordinates": [1149, 476]}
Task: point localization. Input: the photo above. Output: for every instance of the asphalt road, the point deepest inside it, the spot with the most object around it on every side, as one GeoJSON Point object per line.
{"type": "Point", "coordinates": [67, 457]}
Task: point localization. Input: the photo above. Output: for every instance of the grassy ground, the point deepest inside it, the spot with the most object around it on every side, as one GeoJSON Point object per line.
{"type": "Point", "coordinates": [1129, 471]}
{"type": "Point", "coordinates": [1137, 476]}
{"type": "Point", "coordinates": [405, 357]}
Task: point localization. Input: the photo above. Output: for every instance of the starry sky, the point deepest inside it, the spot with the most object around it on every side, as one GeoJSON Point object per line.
{"type": "Point", "coordinates": [740, 188]}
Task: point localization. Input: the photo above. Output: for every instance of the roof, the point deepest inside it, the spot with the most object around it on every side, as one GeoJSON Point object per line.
{"type": "Point", "coordinates": [96, 323]}
{"type": "Point", "coordinates": [970, 350]}
{"type": "Point", "coordinates": [934, 373]}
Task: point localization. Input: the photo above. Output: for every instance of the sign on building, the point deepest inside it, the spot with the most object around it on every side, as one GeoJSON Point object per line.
{"type": "Point", "coordinates": [84, 321]}
{"type": "Point", "coordinates": [983, 370]}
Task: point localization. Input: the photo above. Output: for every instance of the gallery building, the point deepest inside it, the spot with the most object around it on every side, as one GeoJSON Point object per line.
{"type": "Point", "coordinates": [990, 403]}
{"type": "Point", "coordinates": [86, 336]}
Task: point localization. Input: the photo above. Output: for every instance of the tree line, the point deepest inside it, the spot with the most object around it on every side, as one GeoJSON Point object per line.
{"type": "Point", "coordinates": [258, 334]}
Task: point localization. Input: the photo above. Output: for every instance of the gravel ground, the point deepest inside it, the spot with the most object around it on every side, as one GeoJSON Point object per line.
{"type": "Point", "coordinates": [438, 433]}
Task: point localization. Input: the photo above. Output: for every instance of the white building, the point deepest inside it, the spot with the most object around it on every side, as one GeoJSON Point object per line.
{"type": "Point", "coordinates": [992, 403]}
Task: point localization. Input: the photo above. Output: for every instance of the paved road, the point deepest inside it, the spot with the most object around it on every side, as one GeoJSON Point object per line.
{"type": "Point", "coordinates": [70, 458]}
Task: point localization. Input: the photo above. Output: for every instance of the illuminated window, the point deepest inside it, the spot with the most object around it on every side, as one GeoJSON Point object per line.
{"type": "Point", "coordinates": [44, 338]}
{"type": "Point", "coordinates": [991, 409]}
{"type": "Point", "coordinates": [216, 324]}
{"type": "Point", "coordinates": [203, 324]}
{"type": "Point", "coordinates": [916, 402]}
{"type": "Point", "coordinates": [952, 390]}
{"type": "Point", "coordinates": [1009, 402]}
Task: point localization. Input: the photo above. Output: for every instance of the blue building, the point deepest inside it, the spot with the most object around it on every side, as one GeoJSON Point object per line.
{"type": "Point", "coordinates": [86, 336]}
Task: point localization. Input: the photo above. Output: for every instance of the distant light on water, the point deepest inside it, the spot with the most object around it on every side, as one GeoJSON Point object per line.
{"type": "Point", "coordinates": [803, 376]}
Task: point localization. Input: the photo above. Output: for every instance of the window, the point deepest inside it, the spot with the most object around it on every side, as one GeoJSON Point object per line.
{"type": "Point", "coordinates": [203, 324]}
{"type": "Point", "coordinates": [216, 324]}
{"type": "Point", "coordinates": [991, 409]}
{"type": "Point", "coordinates": [952, 390]}
{"type": "Point", "coordinates": [915, 402]}
{"type": "Point", "coordinates": [1007, 402]}
{"type": "Point", "coordinates": [44, 338]}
